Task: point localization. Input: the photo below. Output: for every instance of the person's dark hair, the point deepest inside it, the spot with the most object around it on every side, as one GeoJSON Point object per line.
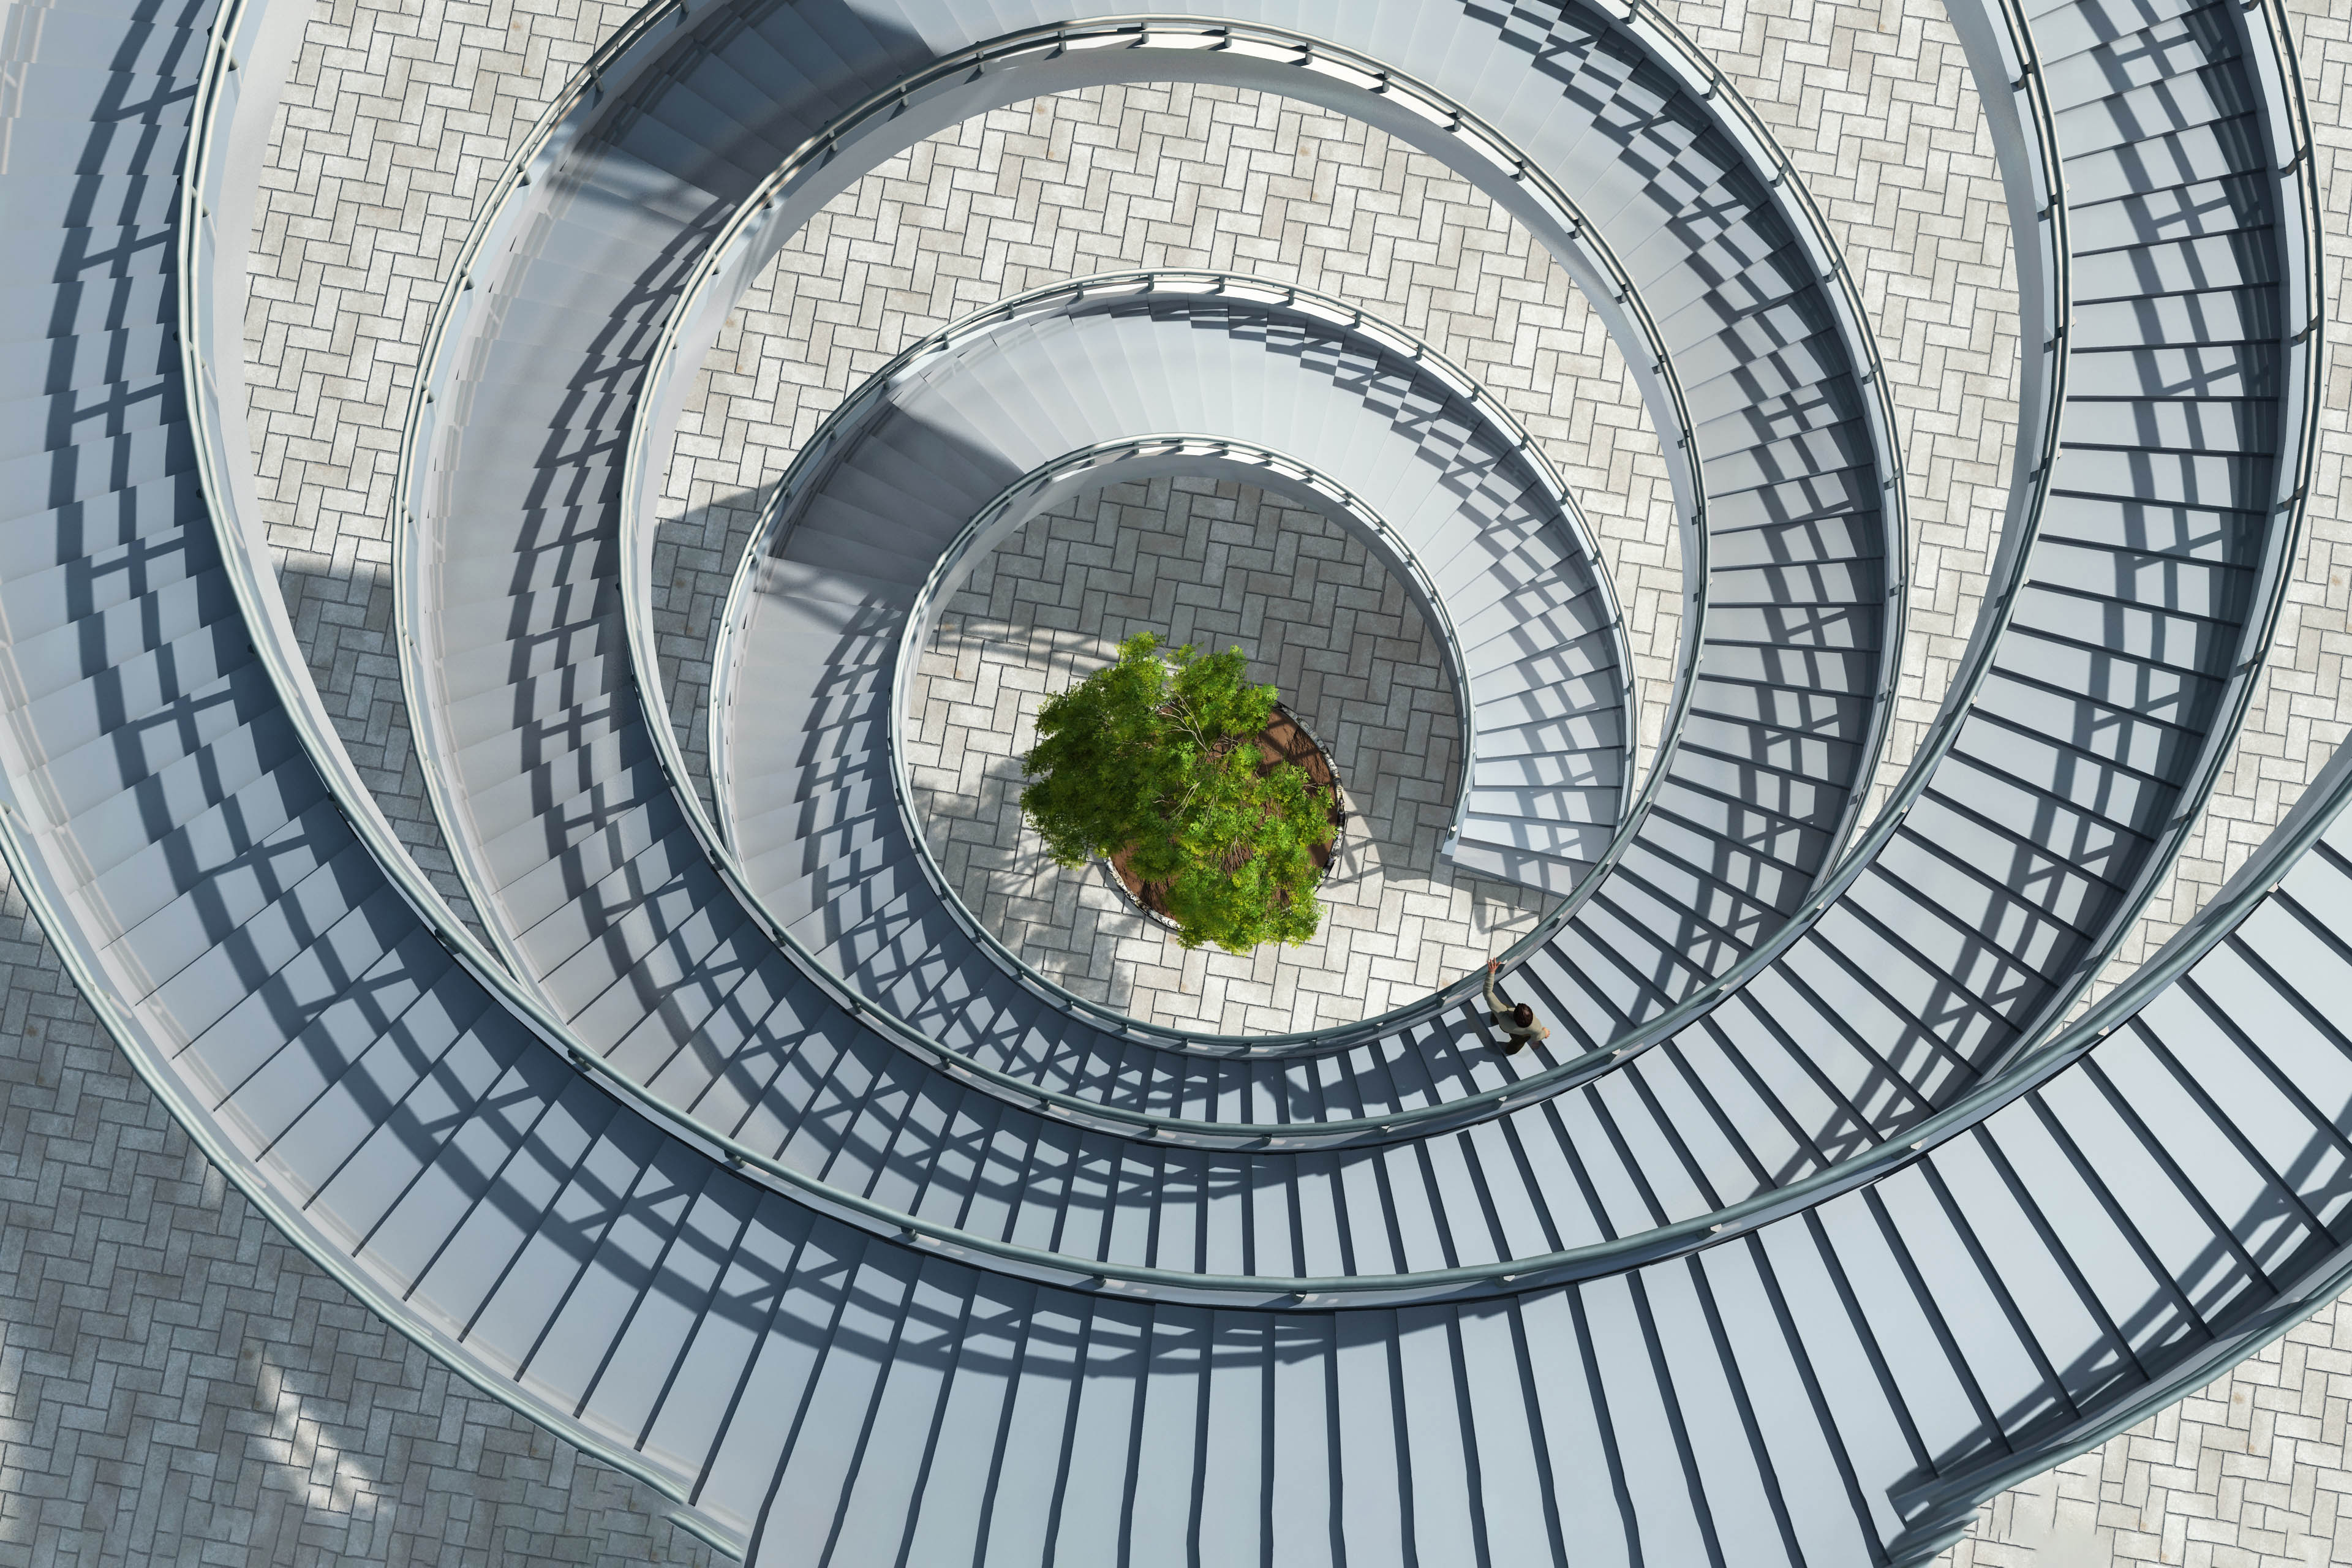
{"type": "Point", "coordinates": [1523, 1016]}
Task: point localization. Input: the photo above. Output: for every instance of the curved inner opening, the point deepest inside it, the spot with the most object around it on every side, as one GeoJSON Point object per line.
{"type": "Point", "coordinates": [1179, 175]}
{"type": "Point", "coordinates": [1217, 562]}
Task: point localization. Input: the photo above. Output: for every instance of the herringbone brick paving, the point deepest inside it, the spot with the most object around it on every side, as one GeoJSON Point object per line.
{"type": "Point", "coordinates": [1896, 166]}
{"type": "Point", "coordinates": [396, 120]}
{"type": "Point", "coordinates": [2248, 1472]}
{"type": "Point", "coordinates": [178, 1384]}
{"type": "Point", "coordinates": [1219, 564]}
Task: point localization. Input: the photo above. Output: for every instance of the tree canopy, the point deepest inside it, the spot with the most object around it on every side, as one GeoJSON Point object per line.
{"type": "Point", "coordinates": [1157, 754]}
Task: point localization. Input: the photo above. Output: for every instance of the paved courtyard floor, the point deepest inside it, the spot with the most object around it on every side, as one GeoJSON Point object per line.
{"type": "Point", "coordinates": [178, 1385]}
{"type": "Point", "coordinates": [1219, 564]}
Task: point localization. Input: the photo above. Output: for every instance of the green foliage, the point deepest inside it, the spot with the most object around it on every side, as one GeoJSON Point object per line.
{"type": "Point", "coordinates": [1158, 753]}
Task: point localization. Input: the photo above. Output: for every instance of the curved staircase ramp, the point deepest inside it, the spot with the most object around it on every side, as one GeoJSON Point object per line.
{"type": "Point", "coordinates": [557, 806]}
{"type": "Point", "coordinates": [1787, 710]}
{"type": "Point", "coordinates": [1837, 1378]}
{"type": "Point", "coordinates": [2000, 888]}
{"type": "Point", "coordinates": [521, 639]}
{"type": "Point", "coordinates": [805, 787]}
{"type": "Point", "coordinates": [805, 699]}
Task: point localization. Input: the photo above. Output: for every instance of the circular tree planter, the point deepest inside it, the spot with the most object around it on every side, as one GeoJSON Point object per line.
{"type": "Point", "coordinates": [1284, 740]}
{"type": "Point", "coordinates": [1177, 766]}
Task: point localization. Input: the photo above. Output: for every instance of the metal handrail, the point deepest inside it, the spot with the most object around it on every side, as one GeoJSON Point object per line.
{"type": "Point", "coordinates": [2321, 1284]}
{"type": "Point", "coordinates": [2252, 886]}
{"type": "Point", "coordinates": [218, 91]}
{"type": "Point", "coordinates": [1757, 143]}
{"type": "Point", "coordinates": [2072, 1042]}
{"type": "Point", "coordinates": [823, 449]}
{"type": "Point", "coordinates": [1762, 149]}
{"type": "Point", "coordinates": [613, 66]}
{"type": "Point", "coordinates": [2291, 491]}
{"type": "Point", "coordinates": [1141, 1282]}
{"type": "Point", "coordinates": [1957, 1498]}
{"type": "Point", "coordinates": [555, 130]}
{"type": "Point", "coordinates": [1941, 1513]}
{"type": "Point", "coordinates": [1338, 63]}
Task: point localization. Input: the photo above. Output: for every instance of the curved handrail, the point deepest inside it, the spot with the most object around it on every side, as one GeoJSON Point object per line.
{"type": "Point", "coordinates": [1429, 1118]}
{"type": "Point", "coordinates": [1338, 63]}
{"type": "Point", "coordinates": [2000, 609]}
{"type": "Point", "coordinates": [2254, 884]}
{"type": "Point", "coordinates": [263, 605]}
{"type": "Point", "coordinates": [195, 241]}
{"type": "Point", "coordinates": [2322, 1283]}
{"type": "Point", "coordinates": [832, 438]}
{"type": "Point", "coordinates": [2291, 487]}
{"type": "Point", "coordinates": [612, 68]}
{"type": "Point", "coordinates": [1950, 1504]}
{"type": "Point", "coordinates": [1760, 147]}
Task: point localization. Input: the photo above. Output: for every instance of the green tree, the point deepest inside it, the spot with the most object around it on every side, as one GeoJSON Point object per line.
{"type": "Point", "coordinates": [1158, 755]}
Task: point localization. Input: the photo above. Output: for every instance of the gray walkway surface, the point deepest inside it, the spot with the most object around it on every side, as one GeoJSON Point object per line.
{"type": "Point", "coordinates": [176, 1383]}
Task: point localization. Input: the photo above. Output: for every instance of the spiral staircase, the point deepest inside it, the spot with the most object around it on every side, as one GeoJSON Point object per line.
{"type": "Point", "coordinates": [736, 1152]}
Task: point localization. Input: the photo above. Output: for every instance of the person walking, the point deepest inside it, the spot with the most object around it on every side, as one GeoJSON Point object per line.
{"type": "Point", "coordinates": [1518, 1021]}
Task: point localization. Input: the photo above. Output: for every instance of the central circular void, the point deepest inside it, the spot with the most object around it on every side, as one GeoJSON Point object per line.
{"type": "Point", "coordinates": [1378, 449]}
{"type": "Point", "coordinates": [1322, 617]}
